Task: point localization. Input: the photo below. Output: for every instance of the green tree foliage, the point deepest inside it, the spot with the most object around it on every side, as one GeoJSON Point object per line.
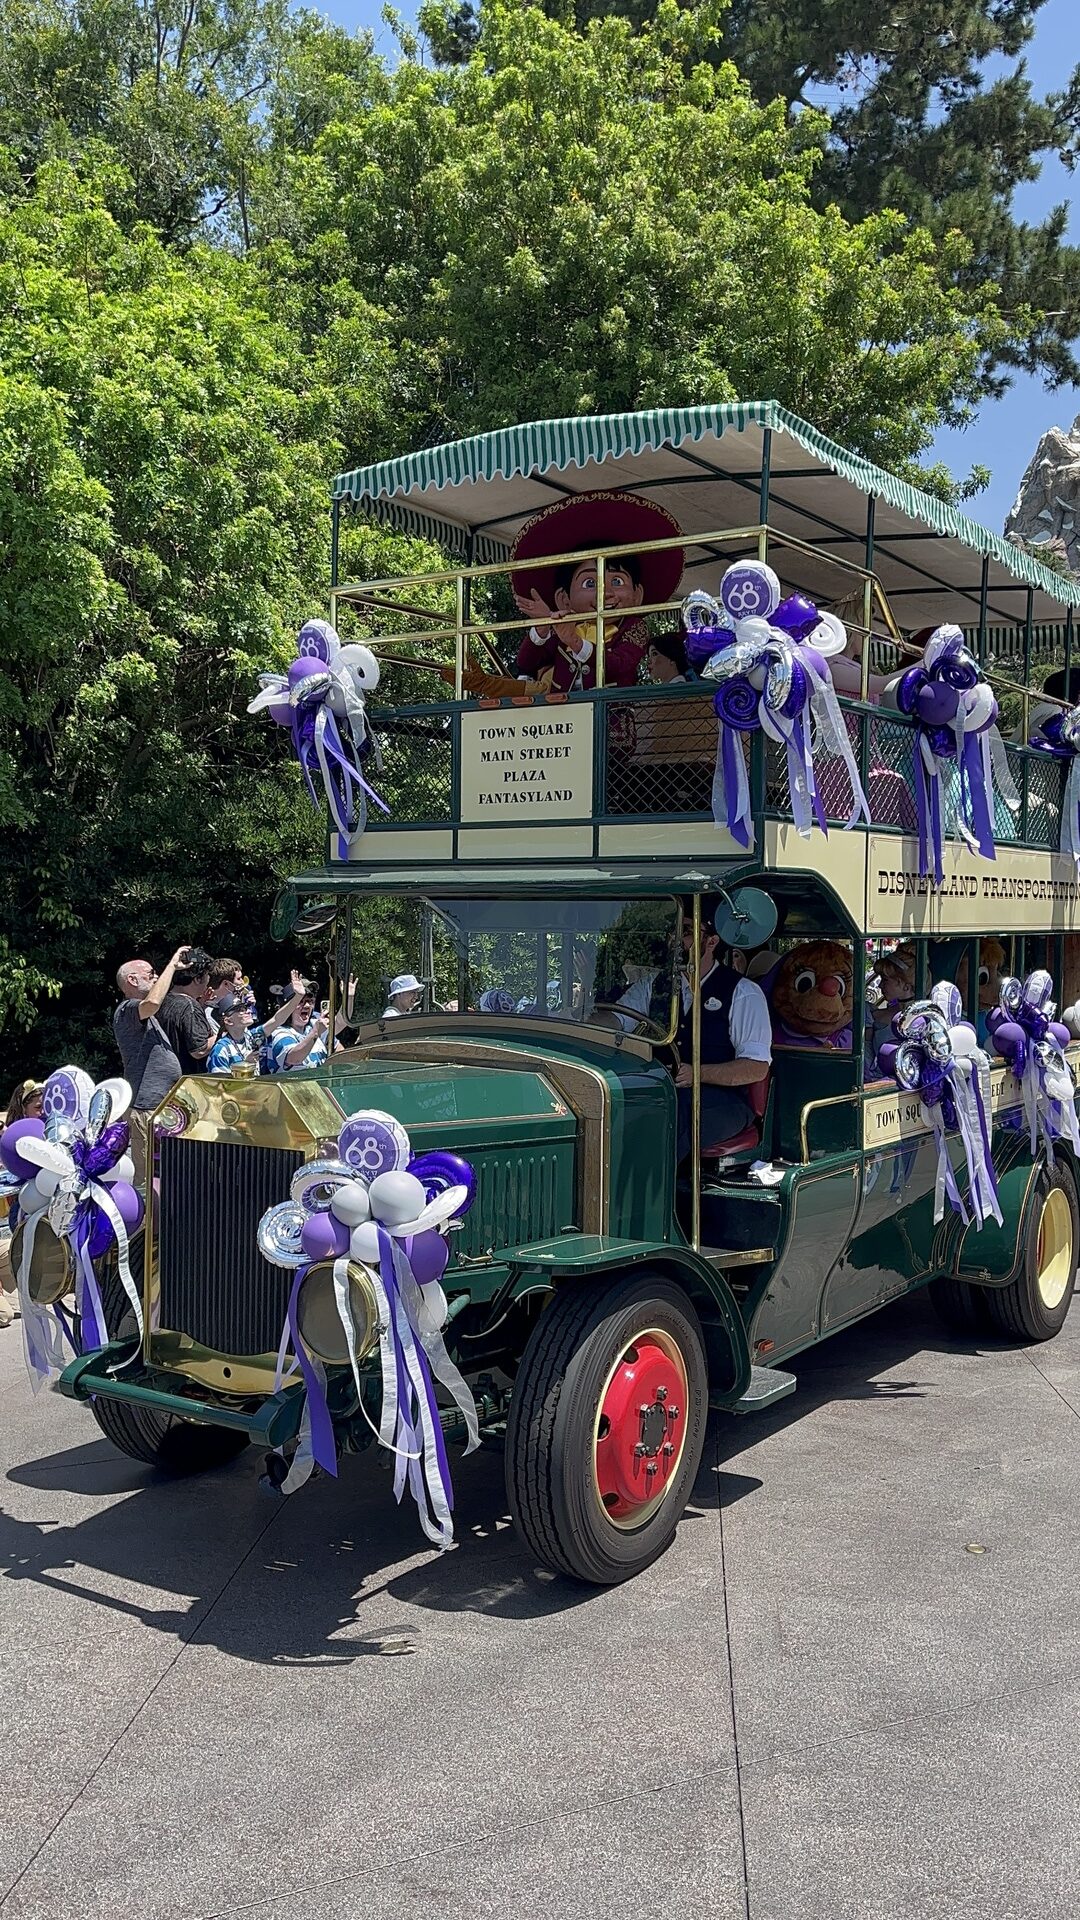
{"type": "Point", "coordinates": [922, 119]}
{"type": "Point", "coordinates": [572, 223]}
{"type": "Point", "coordinates": [163, 460]}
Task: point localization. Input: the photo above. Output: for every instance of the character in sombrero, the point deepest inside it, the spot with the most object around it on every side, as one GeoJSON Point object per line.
{"type": "Point", "coordinates": [560, 600]}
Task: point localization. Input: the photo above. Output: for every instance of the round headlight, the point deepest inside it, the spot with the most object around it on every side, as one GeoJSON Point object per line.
{"type": "Point", "coordinates": [319, 1321]}
{"type": "Point", "coordinates": [52, 1273]}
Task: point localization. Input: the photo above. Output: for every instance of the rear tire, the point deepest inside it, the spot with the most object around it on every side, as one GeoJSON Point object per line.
{"type": "Point", "coordinates": [176, 1446]}
{"type": "Point", "coordinates": [1035, 1305]}
{"type": "Point", "coordinates": [606, 1426]}
{"type": "Point", "coordinates": [959, 1306]}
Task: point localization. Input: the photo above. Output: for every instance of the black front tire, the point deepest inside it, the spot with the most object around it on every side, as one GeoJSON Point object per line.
{"type": "Point", "coordinates": [175, 1446]}
{"type": "Point", "coordinates": [960, 1306]}
{"type": "Point", "coordinates": [1035, 1305]}
{"type": "Point", "coordinates": [551, 1439]}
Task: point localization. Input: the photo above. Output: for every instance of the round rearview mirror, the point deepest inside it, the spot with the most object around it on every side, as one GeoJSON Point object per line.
{"type": "Point", "coordinates": [316, 917]}
{"type": "Point", "coordinates": [746, 918]}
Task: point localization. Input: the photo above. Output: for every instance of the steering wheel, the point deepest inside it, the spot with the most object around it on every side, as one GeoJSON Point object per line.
{"type": "Point", "coordinates": [643, 1027]}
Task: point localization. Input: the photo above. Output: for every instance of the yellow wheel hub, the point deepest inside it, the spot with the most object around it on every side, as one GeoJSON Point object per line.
{"type": "Point", "coordinates": [1055, 1256]}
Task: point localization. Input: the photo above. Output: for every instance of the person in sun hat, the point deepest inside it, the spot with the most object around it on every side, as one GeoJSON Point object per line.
{"type": "Point", "coordinates": [560, 599]}
{"type": "Point", "coordinates": [404, 996]}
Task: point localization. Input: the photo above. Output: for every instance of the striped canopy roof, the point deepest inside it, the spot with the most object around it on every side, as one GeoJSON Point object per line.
{"type": "Point", "coordinates": [704, 465]}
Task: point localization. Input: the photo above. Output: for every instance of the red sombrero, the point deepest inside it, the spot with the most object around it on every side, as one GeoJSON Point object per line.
{"type": "Point", "coordinates": [592, 520]}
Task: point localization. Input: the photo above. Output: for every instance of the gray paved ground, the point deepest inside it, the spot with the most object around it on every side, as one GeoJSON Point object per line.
{"type": "Point", "coordinates": [819, 1703]}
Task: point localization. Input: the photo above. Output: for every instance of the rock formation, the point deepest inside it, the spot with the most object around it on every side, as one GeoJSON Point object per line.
{"type": "Point", "coordinates": [1045, 516]}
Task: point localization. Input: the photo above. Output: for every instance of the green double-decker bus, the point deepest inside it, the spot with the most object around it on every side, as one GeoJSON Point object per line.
{"type": "Point", "coordinates": [554, 871]}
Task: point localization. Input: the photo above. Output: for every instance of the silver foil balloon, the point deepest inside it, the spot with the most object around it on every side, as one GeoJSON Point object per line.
{"type": "Point", "coordinates": [314, 1185]}
{"type": "Point", "coordinates": [1038, 988]}
{"type": "Point", "coordinates": [279, 1233]}
{"type": "Point", "coordinates": [778, 680]}
{"type": "Point", "coordinates": [311, 690]}
{"type": "Point", "coordinates": [925, 1023]}
{"type": "Point", "coordinates": [99, 1115]}
{"type": "Point", "coordinates": [1011, 994]}
{"type": "Point", "coordinates": [907, 1065]}
{"type": "Point", "coordinates": [1070, 729]}
{"type": "Point", "coordinates": [59, 1130]}
{"type": "Point", "coordinates": [740, 658]}
{"type": "Point", "coordinates": [701, 611]}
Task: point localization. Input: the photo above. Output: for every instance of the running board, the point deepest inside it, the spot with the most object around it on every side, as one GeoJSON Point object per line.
{"type": "Point", "coordinates": [767, 1385]}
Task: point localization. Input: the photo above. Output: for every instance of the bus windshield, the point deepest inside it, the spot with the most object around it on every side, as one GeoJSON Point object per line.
{"type": "Point", "coordinates": [604, 963]}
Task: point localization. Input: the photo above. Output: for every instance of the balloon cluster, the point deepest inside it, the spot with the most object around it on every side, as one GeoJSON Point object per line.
{"type": "Point", "coordinates": [936, 1054]}
{"type": "Point", "coordinates": [955, 715]}
{"type": "Point", "coordinates": [768, 655]}
{"type": "Point", "coordinates": [1058, 732]}
{"type": "Point", "coordinates": [321, 699]}
{"type": "Point", "coordinates": [72, 1175]}
{"type": "Point", "coordinates": [377, 1205]}
{"type": "Point", "coordinates": [1032, 1044]}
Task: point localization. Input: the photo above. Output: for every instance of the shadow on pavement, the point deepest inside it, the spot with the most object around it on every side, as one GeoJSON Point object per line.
{"type": "Point", "coordinates": [304, 1576]}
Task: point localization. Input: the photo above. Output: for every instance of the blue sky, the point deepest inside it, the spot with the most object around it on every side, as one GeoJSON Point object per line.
{"type": "Point", "coordinates": [1005, 434]}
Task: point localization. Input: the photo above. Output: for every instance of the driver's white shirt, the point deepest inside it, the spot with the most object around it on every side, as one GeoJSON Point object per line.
{"type": "Point", "coordinates": [748, 1018]}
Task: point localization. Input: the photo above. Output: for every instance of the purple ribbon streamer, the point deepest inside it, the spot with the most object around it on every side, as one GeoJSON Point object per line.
{"type": "Point", "coordinates": [973, 777]}
{"type": "Point", "coordinates": [92, 1329]}
{"type": "Point", "coordinates": [388, 1275]}
{"type": "Point", "coordinates": [729, 747]}
{"type": "Point", "coordinates": [323, 1444]}
{"type": "Point", "coordinates": [984, 1130]}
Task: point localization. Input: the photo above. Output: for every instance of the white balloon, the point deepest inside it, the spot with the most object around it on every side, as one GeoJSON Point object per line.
{"type": "Point", "coordinates": [965, 1040]}
{"type": "Point", "coordinates": [829, 636]}
{"type": "Point", "coordinates": [755, 630]}
{"type": "Point", "coordinates": [350, 1204]}
{"type": "Point", "coordinates": [123, 1170]}
{"type": "Point", "coordinates": [978, 706]}
{"type": "Point", "coordinates": [337, 700]}
{"type": "Point", "coordinates": [396, 1197]}
{"type": "Point", "coordinates": [1070, 1018]}
{"type": "Point", "coordinates": [46, 1153]}
{"type": "Point", "coordinates": [362, 664]}
{"type": "Point", "coordinates": [31, 1198]}
{"type": "Point", "coordinates": [433, 1309]}
{"type": "Point", "coordinates": [47, 1182]}
{"type": "Point", "coordinates": [364, 1243]}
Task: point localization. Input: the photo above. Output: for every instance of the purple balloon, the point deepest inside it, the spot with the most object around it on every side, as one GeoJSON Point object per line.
{"type": "Point", "coordinates": [796, 615]}
{"type": "Point", "coordinates": [437, 1171]}
{"type": "Point", "coordinates": [324, 1238]}
{"type": "Point", "coordinates": [128, 1203]}
{"type": "Point", "coordinates": [936, 703]}
{"type": "Point", "coordinates": [9, 1147]}
{"type": "Point", "coordinates": [106, 1150]}
{"type": "Point", "coordinates": [703, 642]}
{"type": "Point", "coordinates": [301, 670]}
{"type": "Point", "coordinates": [427, 1254]}
{"type": "Point", "coordinates": [907, 688]}
{"type": "Point", "coordinates": [887, 1053]}
{"type": "Point", "coordinates": [280, 713]}
{"type": "Point", "coordinates": [101, 1235]}
{"type": "Point", "coordinates": [1061, 1033]}
{"type": "Point", "coordinates": [1009, 1039]}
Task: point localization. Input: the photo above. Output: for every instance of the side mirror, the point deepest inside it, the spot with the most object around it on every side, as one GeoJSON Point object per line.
{"type": "Point", "coordinates": [746, 919]}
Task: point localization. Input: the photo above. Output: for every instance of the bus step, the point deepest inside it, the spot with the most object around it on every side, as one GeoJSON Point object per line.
{"type": "Point", "coordinates": [767, 1384]}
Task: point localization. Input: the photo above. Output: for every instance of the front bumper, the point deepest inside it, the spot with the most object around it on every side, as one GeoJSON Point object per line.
{"type": "Point", "coordinates": [272, 1422]}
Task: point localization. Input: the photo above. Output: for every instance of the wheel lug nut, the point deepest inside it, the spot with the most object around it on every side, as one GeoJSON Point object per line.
{"type": "Point", "coordinates": [668, 1447]}
{"type": "Point", "coordinates": [661, 1393]}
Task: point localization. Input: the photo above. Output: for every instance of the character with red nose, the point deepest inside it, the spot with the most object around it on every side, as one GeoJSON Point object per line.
{"type": "Point", "coordinates": [810, 996]}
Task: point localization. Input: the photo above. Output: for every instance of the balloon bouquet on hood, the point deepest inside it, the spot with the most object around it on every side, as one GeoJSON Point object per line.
{"type": "Point", "coordinates": [70, 1175]}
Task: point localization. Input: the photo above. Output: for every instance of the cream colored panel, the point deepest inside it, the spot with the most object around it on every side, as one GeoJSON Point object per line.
{"type": "Point", "coordinates": [1018, 892]}
{"type": "Point", "coordinates": [676, 838]}
{"type": "Point", "coordinates": [840, 859]}
{"type": "Point", "coordinates": [525, 843]}
{"type": "Point", "coordinates": [527, 765]}
{"type": "Point", "coordinates": [403, 849]}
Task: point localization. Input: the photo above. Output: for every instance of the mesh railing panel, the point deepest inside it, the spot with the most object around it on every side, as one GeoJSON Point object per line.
{"type": "Point", "coordinates": [661, 755]}
{"type": "Point", "coordinates": [833, 782]}
{"type": "Point", "coordinates": [416, 781]}
{"type": "Point", "coordinates": [1045, 777]}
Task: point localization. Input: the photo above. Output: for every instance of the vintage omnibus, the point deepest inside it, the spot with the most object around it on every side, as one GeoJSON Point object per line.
{"type": "Point", "coordinates": [553, 876]}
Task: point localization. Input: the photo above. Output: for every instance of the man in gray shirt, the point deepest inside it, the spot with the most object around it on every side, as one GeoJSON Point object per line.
{"type": "Point", "coordinates": [151, 1068]}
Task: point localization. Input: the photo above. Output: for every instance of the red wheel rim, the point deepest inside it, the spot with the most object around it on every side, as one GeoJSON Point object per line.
{"type": "Point", "coordinates": [640, 1428]}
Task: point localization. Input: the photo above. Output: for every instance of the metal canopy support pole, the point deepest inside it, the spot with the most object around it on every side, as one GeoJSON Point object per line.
{"type": "Point", "coordinates": [599, 638]}
{"type": "Point", "coordinates": [763, 493]}
{"type": "Point", "coordinates": [867, 596]}
{"type": "Point", "coordinates": [695, 1090]}
{"type": "Point", "coordinates": [984, 588]}
{"type": "Point", "coordinates": [1028, 626]}
{"type": "Point", "coordinates": [1068, 655]}
{"type": "Point", "coordinates": [335, 538]}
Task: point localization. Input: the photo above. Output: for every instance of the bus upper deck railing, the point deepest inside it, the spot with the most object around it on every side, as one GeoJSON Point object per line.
{"type": "Point", "coordinates": [655, 756]}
